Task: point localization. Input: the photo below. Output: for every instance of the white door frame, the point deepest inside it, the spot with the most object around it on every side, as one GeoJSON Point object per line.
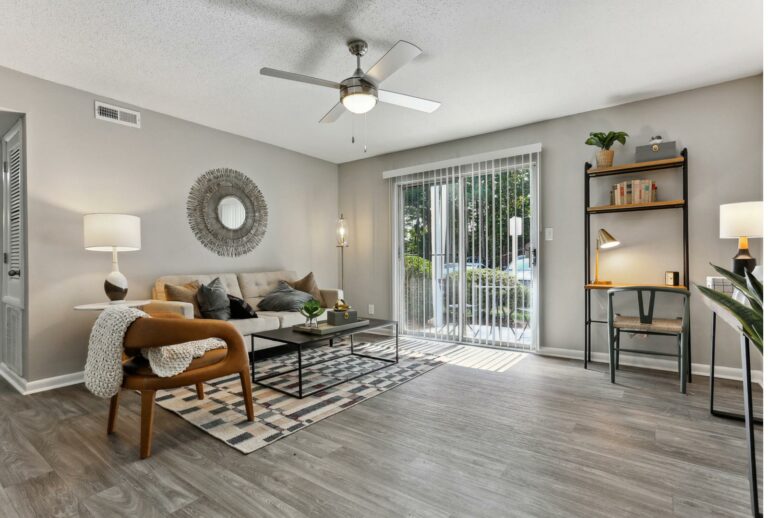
{"type": "Point", "coordinates": [536, 231]}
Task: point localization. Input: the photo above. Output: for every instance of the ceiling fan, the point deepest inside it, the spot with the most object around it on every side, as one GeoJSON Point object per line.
{"type": "Point", "coordinates": [360, 93]}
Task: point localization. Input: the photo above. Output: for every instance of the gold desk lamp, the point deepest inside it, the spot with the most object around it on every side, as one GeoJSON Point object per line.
{"type": "Point", "coordinates": [604, 240]}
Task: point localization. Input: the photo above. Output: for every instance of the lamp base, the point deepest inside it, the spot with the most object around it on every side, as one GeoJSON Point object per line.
{"type": "Point", "coordinates": [743, 262]}
{"type": "Point", "coordinates": [602, 282]}
{"type": "Point", "coordinates": [116, 286]}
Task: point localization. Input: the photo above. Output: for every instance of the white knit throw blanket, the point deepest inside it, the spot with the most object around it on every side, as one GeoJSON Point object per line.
{"type": "Point", "coordinates": [104, 366]}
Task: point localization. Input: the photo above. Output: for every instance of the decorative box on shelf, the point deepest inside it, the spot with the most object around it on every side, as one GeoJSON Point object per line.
{"type": "Point", "coordinates": [337, 318]}
{"type": "Point", "coordinates": [658, 151]}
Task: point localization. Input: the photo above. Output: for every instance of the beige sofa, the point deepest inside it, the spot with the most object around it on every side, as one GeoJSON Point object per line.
{"type": "Point", "coordinates": [251, 287]}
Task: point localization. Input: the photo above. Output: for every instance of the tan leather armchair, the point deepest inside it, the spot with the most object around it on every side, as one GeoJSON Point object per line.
{"type": "Point", "coordinates": [168, 329]}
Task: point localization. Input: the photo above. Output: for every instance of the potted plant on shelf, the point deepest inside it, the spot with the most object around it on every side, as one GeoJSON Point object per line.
{"type": "Point", "coordinates": [604, 141]}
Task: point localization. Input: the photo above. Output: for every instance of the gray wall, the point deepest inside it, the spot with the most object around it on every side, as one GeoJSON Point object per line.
{"type": "Point", "coordinates": [78, 165]}
{"type": "Point", "coordinates": [722, 127]}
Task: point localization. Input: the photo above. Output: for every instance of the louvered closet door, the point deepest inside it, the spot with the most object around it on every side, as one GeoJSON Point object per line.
{"type": "Point", "coordinates": [13, 273]}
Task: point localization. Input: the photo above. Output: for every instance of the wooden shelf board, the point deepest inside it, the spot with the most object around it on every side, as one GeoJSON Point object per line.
{"type": "Point", "coordinates": [625, 284]}
{"type": "Point", "coordinates": [668, 204]}
{"type": "Point", "coordinates": [637, 167]}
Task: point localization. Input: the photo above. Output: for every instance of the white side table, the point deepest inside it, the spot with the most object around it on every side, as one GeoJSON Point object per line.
{"type": "Point", "coordinates": [101, 306]}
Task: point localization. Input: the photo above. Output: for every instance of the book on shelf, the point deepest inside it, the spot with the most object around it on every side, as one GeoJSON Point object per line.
{"type": "Point", "coordinates": [633, 192]}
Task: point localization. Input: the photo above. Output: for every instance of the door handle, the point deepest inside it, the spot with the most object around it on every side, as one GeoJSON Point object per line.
{"type": "Point", "coordinates": [14, 273]}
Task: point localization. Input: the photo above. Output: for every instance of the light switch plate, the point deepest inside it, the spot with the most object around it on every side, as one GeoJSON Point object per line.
{"type": "Point", "coordinates": [549, 234]}
{"type": "Point", "coordinates": [370, 309]}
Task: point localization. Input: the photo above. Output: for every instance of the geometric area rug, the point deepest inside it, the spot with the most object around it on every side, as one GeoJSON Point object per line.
{"type": "Point", "coordinates": [222, 412]}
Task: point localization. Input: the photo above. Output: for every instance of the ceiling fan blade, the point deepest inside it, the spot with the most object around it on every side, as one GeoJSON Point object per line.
{"type": "Point", "coordinates": [398, 56]}
{"type": "Point", "coordinates": [334, 114]}
{"type": "Point", "coordinates": [408, 101]}
{"type": "Point", "coordinates": [298, 77]}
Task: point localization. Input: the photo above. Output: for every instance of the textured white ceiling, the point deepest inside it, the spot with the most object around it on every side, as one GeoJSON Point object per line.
{"type": "Point", "coordinates": [494, 64]}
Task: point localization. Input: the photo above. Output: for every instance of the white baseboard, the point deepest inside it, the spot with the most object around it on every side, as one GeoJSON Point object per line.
{"type": "Point", "coordinates": [31, 387]}
{"type": "Point", "coordinates": [648, 362]}
{"type": "Point", "coordinates": [12, 378]}
{"type": "Point", "coordinates": [55, 382]}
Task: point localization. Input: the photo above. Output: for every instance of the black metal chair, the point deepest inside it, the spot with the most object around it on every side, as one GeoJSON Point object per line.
{"type": "Point", "coordinates": [646, 323]}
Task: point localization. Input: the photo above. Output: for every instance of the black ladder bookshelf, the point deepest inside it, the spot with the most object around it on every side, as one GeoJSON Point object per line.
{"type": "Point", "coordinates": [591, 173]}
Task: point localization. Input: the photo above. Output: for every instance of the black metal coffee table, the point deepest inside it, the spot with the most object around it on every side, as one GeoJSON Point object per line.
{"type": "Point", "coordinates": [304, 340]}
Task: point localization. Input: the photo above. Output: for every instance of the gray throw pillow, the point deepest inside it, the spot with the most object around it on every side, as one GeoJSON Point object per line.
{"type": "Point", "coordinates": [213, 300]}
{"type": "Point", "coordinates": [284, 298]}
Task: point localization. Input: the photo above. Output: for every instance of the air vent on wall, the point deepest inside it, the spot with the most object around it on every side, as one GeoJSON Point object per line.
{"type": "Point", "coordinates": [118, 115]}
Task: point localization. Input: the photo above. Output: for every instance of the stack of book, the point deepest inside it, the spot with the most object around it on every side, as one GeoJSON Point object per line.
{"type": "Point", "coordinates": [633, 191]}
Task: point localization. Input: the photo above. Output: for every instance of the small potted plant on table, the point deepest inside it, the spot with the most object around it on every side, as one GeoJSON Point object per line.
{"type": "Point", "coordinates": [604, 141]}
{"type": "Point", "coordinates": [311, 310]}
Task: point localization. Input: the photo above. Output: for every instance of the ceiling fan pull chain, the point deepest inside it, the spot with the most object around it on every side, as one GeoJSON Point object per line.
{"type": "Point", "coordinates": [365, 133]}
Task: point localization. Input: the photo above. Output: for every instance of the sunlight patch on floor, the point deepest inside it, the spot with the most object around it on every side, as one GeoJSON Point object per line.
{"type": "Point", "coordinates": [469, 356]}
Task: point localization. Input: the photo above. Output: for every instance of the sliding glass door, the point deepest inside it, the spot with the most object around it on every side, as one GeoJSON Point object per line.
{"type": "Point", "coordinates": [466, 252]}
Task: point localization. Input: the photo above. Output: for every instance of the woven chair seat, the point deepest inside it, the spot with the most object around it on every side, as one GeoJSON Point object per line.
{"type": "Point", "coordinates": [659, 325]}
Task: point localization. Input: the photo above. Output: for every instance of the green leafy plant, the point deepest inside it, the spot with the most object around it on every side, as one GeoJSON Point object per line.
{"type": "Point", "coordinates": [606, 140]}
{"type": "Point", "coordinates": [415, 265]}
{"type": "Point", "coordinates": [493, 293]}
{"type": "Point", "coordinates": [311, 309]}
{"type": "Point", "coordinates": [750, 315]}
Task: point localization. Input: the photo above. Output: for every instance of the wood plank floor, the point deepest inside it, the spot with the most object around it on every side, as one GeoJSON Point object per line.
{"type": "Point", "coordinates": [545, 438]}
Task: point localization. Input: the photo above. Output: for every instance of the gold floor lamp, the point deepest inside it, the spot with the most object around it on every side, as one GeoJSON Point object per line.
{"type": "Point", "coordinates": [604, 240]}
{"type": "Point", "coordinates": [342, 242]}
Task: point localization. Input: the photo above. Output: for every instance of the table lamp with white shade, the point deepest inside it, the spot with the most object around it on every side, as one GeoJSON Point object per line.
{"type": "Point", "coordinates": [742, 221]}
{"type": "Point", "coordinates": [113, 233]}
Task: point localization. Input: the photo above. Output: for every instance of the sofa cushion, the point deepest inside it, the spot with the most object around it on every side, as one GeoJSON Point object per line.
{"type": "Point", "coordinates": [184, 293]}
{"type": "Point", "coordinates": [239, 308]}
{"type": "Point", "coordinates": [289, 318]}
{"type": "Point", "coordinates": [229, 280]}
{"type": "Point", "coordinates": [213, 300]}
{"type": "Point", "coordinates": [307, 284]}
{"type": "Point", "coordinates": [256, 285]}
{"type": "Point", "coordinates": [247, 326]}
{"type": "Point", "coordinates": [284, 298]}
{"type": "Point", "coordinates": [286, 318]}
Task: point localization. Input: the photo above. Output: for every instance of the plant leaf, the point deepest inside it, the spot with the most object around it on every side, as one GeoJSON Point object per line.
{"type": "Point", "coordinates": [750, 319]}
{"type": "Point", "coordinates": [739, 282]}
{"type": "Point", "coordinates": [610, 137]}
{"type": "Point", "coordinates": [756, 287]}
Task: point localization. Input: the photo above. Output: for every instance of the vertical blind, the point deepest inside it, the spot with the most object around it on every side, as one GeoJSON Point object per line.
{"type": "Point", "coordinates": [465, 250]}
{"type": "Point", "coordinates": [14, 200]}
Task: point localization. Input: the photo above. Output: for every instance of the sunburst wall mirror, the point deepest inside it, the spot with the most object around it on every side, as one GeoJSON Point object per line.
{"type": "Point", "coordinates": [227, 212]}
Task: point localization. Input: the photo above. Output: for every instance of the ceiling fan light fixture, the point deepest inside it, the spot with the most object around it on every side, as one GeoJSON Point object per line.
{"type": "Point", "coordinates": [358, 95]}
{"type": "Point", "coordinates": [359, 103]}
